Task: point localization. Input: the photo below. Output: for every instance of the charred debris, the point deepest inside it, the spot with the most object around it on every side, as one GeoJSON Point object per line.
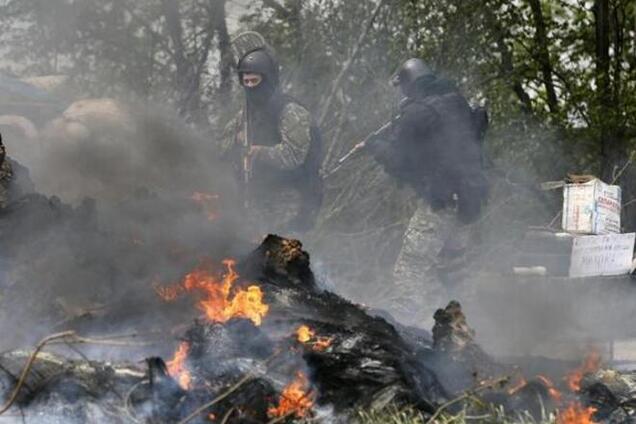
{"type": "Point", "coordinates": [270, 345]}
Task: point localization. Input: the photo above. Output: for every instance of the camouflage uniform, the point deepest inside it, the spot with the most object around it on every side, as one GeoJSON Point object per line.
{"type": "Point", "coordinates": [419, 273]}
{"type": "Point", "coordinates": [6, 175]}
{"type": "Point", "coordinates": [435, 148]}
{"type": "Point", "coordinates": [275, 190]}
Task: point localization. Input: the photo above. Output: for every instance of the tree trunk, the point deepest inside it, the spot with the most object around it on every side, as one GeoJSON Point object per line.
{"type": "Point", "coordinates": [543, 55]}
{"type": "Point", "coordinates": [612, 149]}
{"type": "Point", "coordinates": [507, 62]}
{"type": "Point", "coordinates": [187, 83]}
{"type": "Point", "coordinates": [225, 52]}
{"type": "Point", "coordinates": [612, 135]}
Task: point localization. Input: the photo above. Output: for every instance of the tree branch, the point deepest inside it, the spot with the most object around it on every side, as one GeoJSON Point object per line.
{"type": "Point", "coordinates": [507, 62]}
{"type": "Point", "coordinates": [541, 40]}
{"type": "Point", "coordinates": [347, 64]}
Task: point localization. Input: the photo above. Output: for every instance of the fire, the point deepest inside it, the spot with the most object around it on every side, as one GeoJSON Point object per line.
{"type": "Point", "coordinates": [554, 393]}
{"type": "Point", "coordinates": [573, 413]}
{"type": "Point", "coordinates": [219, 302]}
{"type": "Point", "coordinates": [576, 414]}
{"type": "Point", "coordinates": [207, 202]}
{"type": "Point", "coordinates": [304, 334]}
{"type": "Point", "coordinates": [177, 369]}
{"type": "Point", "coordinates": [322, 343]}
{"type": "Point", "coordinates": [591, 364]}
{"type": "Point", "coordinates": [295, 399]}
{"type": "Point", "coordinates": [168, 293]}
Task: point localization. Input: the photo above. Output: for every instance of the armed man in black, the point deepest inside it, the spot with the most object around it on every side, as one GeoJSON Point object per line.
{"type": "Point", "coordinates": [433, 146]}
{"type": "Point", "coordinates": [275, 147]}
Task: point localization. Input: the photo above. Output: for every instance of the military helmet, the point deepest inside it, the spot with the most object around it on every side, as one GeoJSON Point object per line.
{"type": "Point", "coordinates": [260, 61]}
{"type": "Point", "coordinates": [410, 71]}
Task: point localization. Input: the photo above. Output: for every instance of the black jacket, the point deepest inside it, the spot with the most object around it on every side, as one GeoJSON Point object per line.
{"type": "Point", "coordinates": [435, 148]}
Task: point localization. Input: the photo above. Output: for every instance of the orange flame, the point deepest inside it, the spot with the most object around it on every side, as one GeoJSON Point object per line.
{"type": "Point", "coordinates": [295, 399]}
{"type": "Point", "coordinates": [304, 334]}
{"type": "Point", "coordinates": [322, 343]}
{"type": "Point", "coordinates": [177, 369]}
{"type": "Point", "coordinates": [575, 413]}
{"type": "Point", "coordinates": [591, 364]}
{"type": "Point", "coordinates": [219, 303]}
{"type": "Point", "coordinates": [168, 293]}
{"type": "Point", "coordinates": [554, 393]}
{"type": "Point", "coordinates": [207, 202]}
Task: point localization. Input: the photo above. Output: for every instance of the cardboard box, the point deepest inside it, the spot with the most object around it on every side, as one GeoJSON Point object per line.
{"type": "Point", "coordinates": [605, 255]}
{"type": "Point", "coordinates": [592, 207]}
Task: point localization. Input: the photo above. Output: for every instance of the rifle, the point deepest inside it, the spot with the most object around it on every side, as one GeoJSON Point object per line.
{"type": "Point", "coordinates": [246, 160]}
{"type": "Point", "coordinates": [363, 145]}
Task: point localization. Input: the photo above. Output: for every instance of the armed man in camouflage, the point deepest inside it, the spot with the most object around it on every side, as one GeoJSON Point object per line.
{"type": "Point", "coordinates": [433, 146]}
{"type": "Point", "coordinates": [275, 147]}
{"type": "Point", "coordinates": [6, 174]}
{"type": "Point", "coordinates": [15, 181]}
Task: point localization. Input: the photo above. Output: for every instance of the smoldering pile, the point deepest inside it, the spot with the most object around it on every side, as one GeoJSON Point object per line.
{"type": "Point", "coordinates": [271, 346]}
{"type": "Point", "coordinates": [331, 352]}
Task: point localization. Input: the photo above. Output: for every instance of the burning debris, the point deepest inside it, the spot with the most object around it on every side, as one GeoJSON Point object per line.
{"type": "Point", "coordinates": [306, 335]}
{"type": "Point", "coordinates": [219, 301]}
{"type": "Point", "coordinates": [270, 346]}
{"type": "Point", "coordinates": [295, 400]}
{"type": "Point", "coordinates": [576, 414]}
{"type": "Point", "coordinates": [177, 367]}
{"type": "Point", "coordinates": [591, 364]}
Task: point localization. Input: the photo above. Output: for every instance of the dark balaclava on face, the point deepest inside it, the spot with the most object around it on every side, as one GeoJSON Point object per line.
{"type": "Point", "coordinates": [260, 62]}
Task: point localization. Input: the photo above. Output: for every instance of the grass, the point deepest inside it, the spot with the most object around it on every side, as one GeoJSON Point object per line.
{"type": "Point", "coordinates": [492, 415]}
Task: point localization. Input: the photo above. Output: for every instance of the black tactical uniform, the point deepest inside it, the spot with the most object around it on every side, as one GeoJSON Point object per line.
{"type": "Point", "coordinates": [434, 147]}
{"type": "Point", "coordinates": [435, 144]}
{"type": "Point", "coordinates": [283, 185]}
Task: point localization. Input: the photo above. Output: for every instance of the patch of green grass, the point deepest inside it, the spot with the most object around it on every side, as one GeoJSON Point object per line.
{"type": "Point", "coordinates": [395, 415]}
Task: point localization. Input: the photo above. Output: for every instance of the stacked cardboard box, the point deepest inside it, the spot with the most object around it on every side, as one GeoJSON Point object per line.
{"type": "Point", "coordinates": [591, 243]}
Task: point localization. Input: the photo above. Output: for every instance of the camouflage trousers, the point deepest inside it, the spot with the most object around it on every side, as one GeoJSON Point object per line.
{"type": "Point", "coordinates": [6, 175]}
{"type": "Point", "coordinates": [432, 238]}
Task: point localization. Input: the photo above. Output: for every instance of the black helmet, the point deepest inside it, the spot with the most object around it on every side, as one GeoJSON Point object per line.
{"type": "Point", "coordinates": [410, 71]}
{"type": "Point", "coordinates": [260, 61]}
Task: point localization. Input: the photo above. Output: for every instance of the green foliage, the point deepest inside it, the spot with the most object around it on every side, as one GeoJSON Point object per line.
{"type": "Point", "coordinates": [517, 53]}
{"type": "Point", "coordinates": [395, 415]}
{"type": "Point", "coordinates": [558, 79]}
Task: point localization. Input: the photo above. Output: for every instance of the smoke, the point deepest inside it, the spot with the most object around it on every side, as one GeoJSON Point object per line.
{"type": "Point", "coordinates": [141, 165]}
{"type": "Point", "coordinates": [138, 197]}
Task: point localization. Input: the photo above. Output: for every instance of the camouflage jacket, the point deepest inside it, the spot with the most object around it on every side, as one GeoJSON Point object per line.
{"type": "Point", "coordinates": [278, 150]}
{"type": "Point", "coordinates": [6, 175]}
{"type": "Point", "coordinates": [284, 184]}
